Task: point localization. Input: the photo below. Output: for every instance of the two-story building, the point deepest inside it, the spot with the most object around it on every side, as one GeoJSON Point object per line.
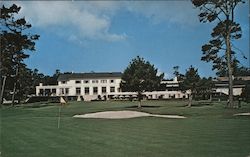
{"type": "Point", "coordinates": [87, 85]}
{"type": "Point", "coordinates": [91, 86]}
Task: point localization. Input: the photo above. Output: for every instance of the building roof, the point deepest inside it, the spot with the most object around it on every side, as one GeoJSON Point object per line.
{"type": "Point", "coordinates": [240, 81]}
{"type": "Point", "coordinates": [244, 78]}
{"type": "Point", "coordinates": [92, 75]}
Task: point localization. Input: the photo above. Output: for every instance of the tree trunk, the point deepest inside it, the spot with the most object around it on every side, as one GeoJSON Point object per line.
{"type": "Point", "coordinates": [1, 74]}
{"type": "Point", "coordinates": [210, 97]}
{"type": "Point", "coordinates": [230, 72]}
{"type": "Point", "coordinates": [2, 89]}
{"type": "Point", "coordinates": [139, 99]}
{"type": "Point", "coordinates": [13, 95]}
{"type": "Point", "coordinates": [139, 104]}
{"type": "Point", "coordinates": [190, 100]}
{"type": "Point", "coordinates": [14, 89]}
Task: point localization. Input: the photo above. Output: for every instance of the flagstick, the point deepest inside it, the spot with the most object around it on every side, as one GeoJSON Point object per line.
{"type": "Point", "coordinates": [62, 102]}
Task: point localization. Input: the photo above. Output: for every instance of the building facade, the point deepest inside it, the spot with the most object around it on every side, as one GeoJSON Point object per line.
{"type": "Point", "coordinates": [92, 86]}
{"type": "Point", "coordinates": [239, 83]}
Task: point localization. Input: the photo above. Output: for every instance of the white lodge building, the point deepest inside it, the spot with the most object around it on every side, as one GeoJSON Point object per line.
{"type": "Point", "coordinates": [92, 86]}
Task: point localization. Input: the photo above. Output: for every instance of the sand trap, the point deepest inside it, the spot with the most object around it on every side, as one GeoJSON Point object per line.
{"type": "Point", "coordinates": [123, 115]}
{"type": "Point", "coordinates": [242, 114]}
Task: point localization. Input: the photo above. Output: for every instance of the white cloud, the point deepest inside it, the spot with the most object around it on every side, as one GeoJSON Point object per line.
{"type": "Point", "coordinates": [172, 12]}
{"type": "Point", "coordinates": [77, 16]}
{"type": "Point", "coordinates": [92, 19]}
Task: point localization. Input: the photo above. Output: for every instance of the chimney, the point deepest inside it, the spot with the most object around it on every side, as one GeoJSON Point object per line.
{"type": "Point", "coordinates": [175, 79]}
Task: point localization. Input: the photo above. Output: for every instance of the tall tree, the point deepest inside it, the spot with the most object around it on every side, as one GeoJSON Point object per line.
{"type": "Point", "coordinates": [190, 82]}
{"type": "Point", "coordinates": [52, 80]}
{"type": "Point", "coordinates": [205, 88]}
{"type": "Point", "coordinates": [242, 71]}
{"type": "Point", "coordinates": [223, 34]}
{"type": "Point", "coordinates": [14, 42]}
{"type": "Point", "coordinates": [176, 70]}
{"type": "Point", "coordinates": [177, 73]}
{"type": "Point", "coordinates": [24, 83]}
{"type": "Point", "coordinates": [140, 76]}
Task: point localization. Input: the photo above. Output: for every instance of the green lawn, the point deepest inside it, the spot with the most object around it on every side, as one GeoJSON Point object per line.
{"type": "Point", "coordinates": [209, 131]}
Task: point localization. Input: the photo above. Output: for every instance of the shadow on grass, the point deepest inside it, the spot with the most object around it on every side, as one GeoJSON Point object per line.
{"type": "Point", "coordinates": [198, 104]}
{"type": "Point", "coordinates": [143, 106]}
{"type": "Point", "coordinates": [37, 105]}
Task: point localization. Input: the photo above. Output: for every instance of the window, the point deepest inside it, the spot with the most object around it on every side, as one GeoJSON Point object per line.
{"type": "Point", "coordinates": [53, 91]}
{"type": "Point", "coordinates": [41, 91]}
{"type": "Point", "coordinates": [86, 81]}
{"type": "Point", "coordinates": [86, 90]}
{"type": "Point", "coordinates": [119, 89]}
{"type": "Point", "coordinates": [112, 89]}
{"type": "Point", "coordinates": [47, 92]}
{"type": "Point", "coordinates": [63, 82]}
{"type": "Point", "coordinates": [112, 81]}
{"type": "Point", "coordinates": [78, 91]}
{"type": "Point", "coordinates": [173, 96]}
{"type": "Point", "coordinates": [78, 81]}
{"type": "Point", "coordinates": [61, 90]}
{"type": "Point", "coordinates": [66, 90]}
{"type": "Point", "coordinates": [94, 81]}
{"type": "Point", "coordinates": [104, 90]}
{"type": "Point", "coordinates": [95, 90]}
{"type": "Point", "coordinates": [103, 81]}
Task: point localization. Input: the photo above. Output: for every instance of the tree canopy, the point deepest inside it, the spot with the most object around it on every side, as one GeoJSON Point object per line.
{"type": "Point", "coordinates": [14, 39]}
{"type": "Point", "coordinates": [177, 73]}
{"type": "Point", "coordinates": [190, 82]}
{"type": "Point", "coordinates": [219, 50]}
{"type": "Point", "coordinates": [140, 76]}
{"type": "Point", "coordinates": [15, 42]}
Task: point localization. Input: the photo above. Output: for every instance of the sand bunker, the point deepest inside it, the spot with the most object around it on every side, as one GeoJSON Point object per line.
{"type": "Point", "coordinates": [242, 114]}
{"type": "Point", "coordinates": [123, 115]}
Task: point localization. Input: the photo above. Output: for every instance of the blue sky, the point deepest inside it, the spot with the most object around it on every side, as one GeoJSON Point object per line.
{"type": "Point", "coordinates": [103, 36]}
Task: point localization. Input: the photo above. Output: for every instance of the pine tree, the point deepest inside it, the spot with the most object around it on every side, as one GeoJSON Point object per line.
{"type": "Point", "coordinates": [190, 83]}
{"type": "Point", "coordinates": [140, 76]}
{"type": "Point", "coordinates": [14, 42]}
{"type": "Point", "coordinates": [223, 34]}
